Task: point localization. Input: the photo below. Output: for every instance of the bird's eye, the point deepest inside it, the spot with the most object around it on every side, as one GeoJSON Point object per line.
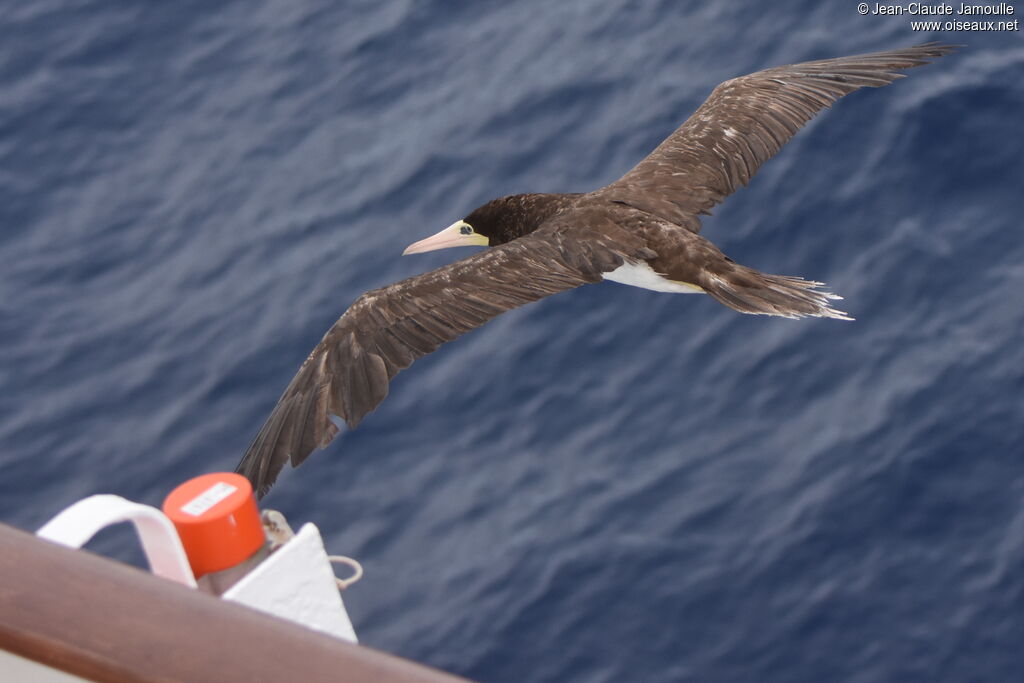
{"type": "Point", "coordinates": [466, 230]}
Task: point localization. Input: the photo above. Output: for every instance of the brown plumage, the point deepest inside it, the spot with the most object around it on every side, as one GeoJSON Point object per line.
{"type": "Point", "coordinates": [642, 229]}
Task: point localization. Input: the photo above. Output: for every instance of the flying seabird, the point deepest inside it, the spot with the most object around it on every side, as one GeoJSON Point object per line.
{"type": "Point", "coordinates": [641, 230]}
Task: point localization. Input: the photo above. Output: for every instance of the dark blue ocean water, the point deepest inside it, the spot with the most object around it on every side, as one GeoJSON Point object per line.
{"type": "Point", "coordinates": [608, 485]}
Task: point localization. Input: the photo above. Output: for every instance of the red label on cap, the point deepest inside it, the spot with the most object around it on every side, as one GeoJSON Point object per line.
{"type": "Point", "coordinates": [208, 498]}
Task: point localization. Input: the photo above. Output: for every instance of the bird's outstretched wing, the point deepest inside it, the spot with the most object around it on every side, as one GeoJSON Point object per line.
{"type": "Point", "coordinates": [386, 329]}
{"type": "Point", "coordinates": [742, 124]}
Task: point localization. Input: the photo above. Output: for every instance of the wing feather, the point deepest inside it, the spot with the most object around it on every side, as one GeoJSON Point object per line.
{"type": "Point", "coordinates": [742, 124]}
{"type": "Point", "coordinates": [385, 330]}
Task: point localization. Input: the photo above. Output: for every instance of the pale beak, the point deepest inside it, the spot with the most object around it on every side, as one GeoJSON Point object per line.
{"type": "Point", "coordinates": [449, 237]}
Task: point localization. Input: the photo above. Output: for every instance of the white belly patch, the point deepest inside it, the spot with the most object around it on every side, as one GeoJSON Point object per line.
{"type": "Point", "coordinates": [639, 274]}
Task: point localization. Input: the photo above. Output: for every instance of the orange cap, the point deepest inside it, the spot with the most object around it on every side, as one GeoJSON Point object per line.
{"type": "Point", "coordinates": [217, 519]}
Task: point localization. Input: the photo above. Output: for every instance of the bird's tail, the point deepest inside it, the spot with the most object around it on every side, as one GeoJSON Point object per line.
{"type": "Point", "coordinates": [750, 291]}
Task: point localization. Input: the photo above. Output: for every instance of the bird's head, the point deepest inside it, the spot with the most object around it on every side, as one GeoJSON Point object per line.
{"type": "Point", "coordinates": [496, 222]}
{"type": "Point", "coordinates": [461, 233]}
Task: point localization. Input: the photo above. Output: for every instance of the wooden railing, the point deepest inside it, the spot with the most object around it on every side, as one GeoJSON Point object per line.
{"type": "Point", "coordinates": [102, 620]}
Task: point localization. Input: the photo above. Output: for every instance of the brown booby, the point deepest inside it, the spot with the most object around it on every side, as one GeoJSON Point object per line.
{"type": "Point", "coordinates": [642, 230]}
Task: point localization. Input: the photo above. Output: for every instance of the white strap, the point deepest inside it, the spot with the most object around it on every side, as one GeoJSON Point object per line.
{"type": "Point", "coordinates": [75, 525]}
